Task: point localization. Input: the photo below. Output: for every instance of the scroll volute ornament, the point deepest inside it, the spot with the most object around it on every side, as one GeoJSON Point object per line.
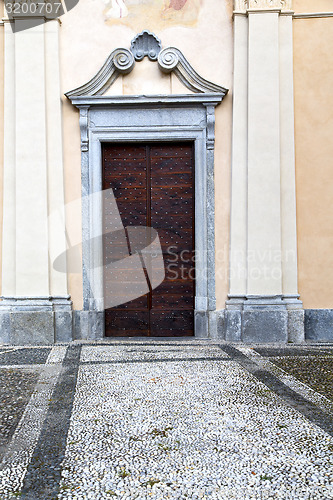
{"type": "Point", "coordinates": [243, 5]}
{"type": "Point", "coordinates": [122, 61]}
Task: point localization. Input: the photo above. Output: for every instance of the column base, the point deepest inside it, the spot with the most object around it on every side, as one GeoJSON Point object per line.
{"type": "Point", "coordinates": [35, 320]}
{"type": "Point", "coordinates": [264, 319]}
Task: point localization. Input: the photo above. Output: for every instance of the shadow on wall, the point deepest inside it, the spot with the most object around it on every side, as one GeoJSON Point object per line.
{"type": "Point", "coordinates": [30, 14]}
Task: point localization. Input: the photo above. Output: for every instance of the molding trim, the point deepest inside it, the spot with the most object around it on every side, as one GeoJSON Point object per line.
{"type": "Point", "coordinates": [148, 100]}
{"type": "Point", "coordinates": [267, 5]}
{"type": "Point", "coordinates": [312, 15]}
{"type": "Point", "coordinates": [122, 61]}
{"type": "Point", "coordinates": [207, 100]}
{"type": "Point", "coordinates": [33, 302]}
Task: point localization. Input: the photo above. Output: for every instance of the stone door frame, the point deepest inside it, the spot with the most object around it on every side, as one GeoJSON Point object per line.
{"type": "Point", "coordinates": [187, 117]}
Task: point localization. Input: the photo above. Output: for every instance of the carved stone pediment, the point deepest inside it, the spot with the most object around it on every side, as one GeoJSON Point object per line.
{"type": "Point", "coordinates": [122, 61]}
{"type": "Point", "coordinates": [243, 5]}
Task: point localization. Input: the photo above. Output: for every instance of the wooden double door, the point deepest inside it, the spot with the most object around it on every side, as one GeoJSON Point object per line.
{"type": "Point", "coordinates": [153, 185]}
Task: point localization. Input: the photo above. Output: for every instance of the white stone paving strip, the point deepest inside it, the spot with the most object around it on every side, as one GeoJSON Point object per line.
{"type": "Point", "coordinates": [57, 354]}
{"type": "Point", "coordinates": [306, 391]}
{"type": "Point", "coordinates": [24, 367]}
{"type": "Point", "coordinates": [3, 351]}
{"type": "Point", "coordinates": [187, 429]}
{"type": "Point", "coordinates": [18, 454]}
{"type": "Point", "coordinates": [151, 352]}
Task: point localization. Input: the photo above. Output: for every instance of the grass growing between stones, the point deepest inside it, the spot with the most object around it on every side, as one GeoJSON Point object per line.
{"type": "Point", "coordinates": [316, 372]}
{"type": "Point", "coordinates": [151, 482]}
{"type": "Point", "coordinates": [161, 432]}
{"type": "Point", "coordinates": [264, 477]}
{"type": "Point", "coordinates": [123, 473]}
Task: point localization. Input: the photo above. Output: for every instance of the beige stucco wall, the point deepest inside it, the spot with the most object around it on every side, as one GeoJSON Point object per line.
{"type": "Point", "coordinates": [1, 131]}
{"type": "Point", "coordinates": [313, 41]}
{"type": "Point", "coordinates": [86, 40]}
{"type": "Point", "coordinates": [307, 6]}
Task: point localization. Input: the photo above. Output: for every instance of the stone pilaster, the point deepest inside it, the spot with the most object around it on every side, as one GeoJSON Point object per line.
{"type": "Point", "coordinates": [35, 306]}
{"type": "Point", "coordinates": [263, 303]}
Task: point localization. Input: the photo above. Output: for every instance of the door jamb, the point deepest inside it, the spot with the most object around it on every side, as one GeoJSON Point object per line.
{"type": "Point", "coordinates": [188, 117]}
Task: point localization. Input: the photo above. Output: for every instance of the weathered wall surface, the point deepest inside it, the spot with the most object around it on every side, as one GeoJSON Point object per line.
{"type": "Point", "coordinates": [202, 30]}
{"type": "Point", "coordinates": [313, 41]}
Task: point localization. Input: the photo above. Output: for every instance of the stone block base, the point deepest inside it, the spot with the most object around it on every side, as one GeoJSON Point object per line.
{"type": "Point", "coordinates": [201, 324]}
{"type": "Point", "coordinates": [264, 326]}
{"type": "Point", "coordinates": [319, 325]}
{"type": "Point", "coordinates": [249, 320]}
{"type": "Point", "coordinates": [35, 328]}
{"type": "Point", "coordinates": [263, 319]}
{"type": "Point", "coordinates": [296, 326]}
{"type": "Point", "coordinates": [88, 325]}
{"type": "Point", "coordinates": [35, 321]}
{"type": "Point", "coordinates": [233, 325]}
{"type": "Point", "coordinates": [27, 328]}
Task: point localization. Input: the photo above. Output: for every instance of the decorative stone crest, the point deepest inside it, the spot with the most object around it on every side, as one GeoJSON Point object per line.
{"type": "Point", "coordinates": [146, 44]}
{"type": "Point", "coordinates": [243, 5]}
{"type": "Point", "coordinates": [121, 61]}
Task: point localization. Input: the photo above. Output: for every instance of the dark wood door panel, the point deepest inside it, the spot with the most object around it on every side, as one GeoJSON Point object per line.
{"type": "Point", "coordinates": [171, 323]}
{"type": "Point", "coordinates": [126, 323]}
{"type": "Point", "coordinates": [124, 152]}
{"type": "Point", "coordinates": [153, 186]}
{"type": "Point", "coordinates": [175, 301]}
{"type": "Point", "coordinates": [125, 194]}
{"type": "Point", "coordinates": [170, 192]}
{"type": "Point", "coordinates": [166, 181]}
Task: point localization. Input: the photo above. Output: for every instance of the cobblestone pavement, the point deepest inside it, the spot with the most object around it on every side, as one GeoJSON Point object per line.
{"type": "Point", "coordinates": [163, 419]}
{"type": "Point", "coordinates": [313, 366]}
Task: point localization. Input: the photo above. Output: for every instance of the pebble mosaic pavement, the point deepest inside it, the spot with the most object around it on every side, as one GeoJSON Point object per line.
{"type": "Point", "coordinates": [156, 420]}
